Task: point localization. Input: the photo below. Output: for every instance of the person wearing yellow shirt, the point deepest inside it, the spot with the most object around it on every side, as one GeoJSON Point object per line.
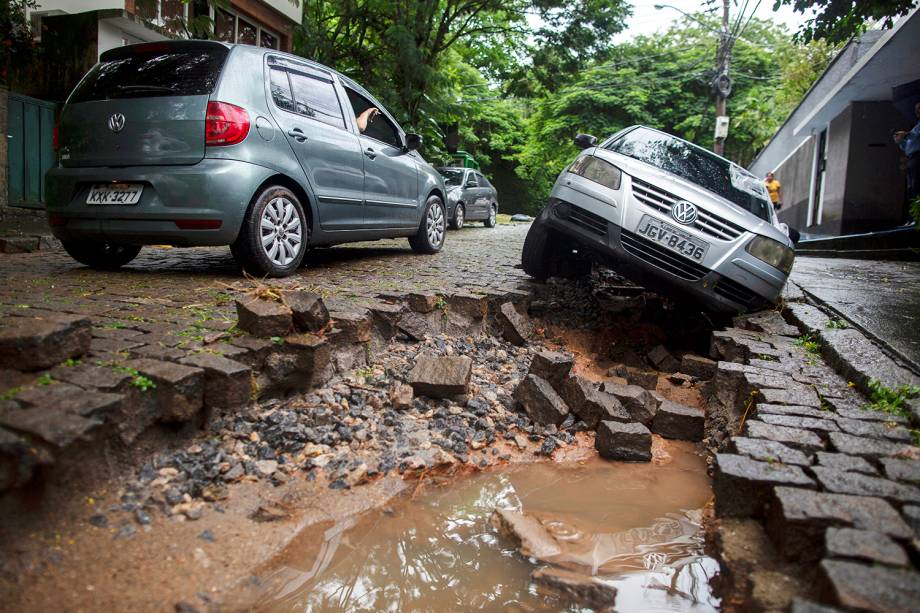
{"type": "Point", "coordinates": [775, 189]}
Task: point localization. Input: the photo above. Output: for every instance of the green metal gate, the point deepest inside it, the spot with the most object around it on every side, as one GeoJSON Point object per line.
{"type": "Point", "coordinates": [30, 124]}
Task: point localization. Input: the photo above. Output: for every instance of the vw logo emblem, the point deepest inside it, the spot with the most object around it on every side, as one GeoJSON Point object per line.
{"type": "Point", "coordinates": [684, 212]}
{"type": "Point", "coordinates": [117, 122]}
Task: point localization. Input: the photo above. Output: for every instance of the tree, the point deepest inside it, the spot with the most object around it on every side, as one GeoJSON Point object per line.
{"type": "Point", "coordinates": [15, 35]}
{"type": "Point", "coordinates": [836, 21]}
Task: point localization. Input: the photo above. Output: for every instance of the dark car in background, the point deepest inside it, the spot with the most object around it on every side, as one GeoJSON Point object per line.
{"type": "Point", "coordinates": [204, 143]}
{"type": "Point", "coordinates": [470, 197]}
{"type": "Point", "coordinates": [666, 214]}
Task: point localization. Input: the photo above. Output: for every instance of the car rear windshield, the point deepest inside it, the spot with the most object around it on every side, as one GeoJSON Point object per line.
{"type": "Point", "coordinates": [153, 70]}
{"type": "Point", "coordinates": [696, 165]}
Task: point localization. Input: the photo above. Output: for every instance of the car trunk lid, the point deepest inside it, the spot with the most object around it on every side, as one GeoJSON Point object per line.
{"type": "Point", "coordinates": [142, 105]}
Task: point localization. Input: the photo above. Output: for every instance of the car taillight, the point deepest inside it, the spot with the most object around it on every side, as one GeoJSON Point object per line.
{"type": "Point", "coordinates": [225, 124]}
{"type": "Point", "coordinates": [56, 137]}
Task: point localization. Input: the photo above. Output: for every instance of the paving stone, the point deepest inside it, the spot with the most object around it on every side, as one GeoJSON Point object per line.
{"type": "Point", "coordinates": [416, 326]}
{"type": "Point", "coordinates": [661, 358]}
{"type": "Point", "coordinates": [698, 366]}
{"type": "Point", "coordinates": [356, 325]}
{"type": "Point", "coordinates": [590, 404]}
{"type": "Point", "coordinates": [515, 328]}
{"type": "Point", "coordinates": [868, 447]}
{"type": "Point", "coordinates": [794, 421]}
{"type": "Point", "coordinates": [734, 384]}
{"type": "Point", "coordinates": [863, 545]}
{"type": "Point", "coordinates": [859, 360]}
{"type": "Point", "coordinates": [799, 396]}
{"type": "Point", "coordinates": [227, 383]}
{"type": "Point", "coordinates": [112, 345]}
{"type": "Point", "coordinates": [386, 317]}
{"type": "Point", "coordinates": [913, 409]}
{"type": "Point", "coordinates": [307, 309]}
{"type": "Point", "coordinates": [911, 514]}
{"type": "Point", "coordinates": [33, 343]}
{"type": "Point", "coordinates": [117, 333]}
{"type": "Point", "coordinates": [401, 396]}
{"type": "Point", "coordinates": [53, 425]}
{"type": "Point", "coordinates": [263, 318]}
{"type": "Point", "coordinates": [901, 470]}
{"type": "Point", "coordinates": [643, 378]}
{"type": "Point", "coordinates": [868, 588]}
{"type": "Point", "coordinates": [526, 532]}
{"type": "Point", "coordinates": [784, 367]}
{"type": "Point", "coordinates": [576, 587]}
{"type": "Point", "coordinates": [841, 482]}
{"type": "Point", "coordinates": [630, 442]}
{"type": "Point", "coordinates": [158, 352]}
{"type": "Point", "coordinates": [743, 486]}
{"type": "Point", "coordinates": [71, 399]}
{"type": "Point", "coordinates": [768, 451]}
{"type": "Point", "coordinates": [800, 605]}
{"type": "Point", "coordinates": [309, 358]}
{"type": "Point", "coordinates": [638, 402]}
{"type": "Point", "coordinates": [782, 409]}
{"type": "Point", "coordinates": [767, 322]}
{"type": "Point", "coordinates": [794, 437]}
{"type": "Point", "coordinates": [422, 303]}
{"type": "Point", "coordinates": [849, 410]}
{"type": "Point", "coordinates": [840, 461]}
{"type": "Point", "coordinates": [734, 345]}
{"type": "Point", "coordinates": [875, 429]}
{"type": "Point", "coordinates": [441, 376]}
{"type": "Point", "coordinates": [677, 421]}
{"type": "Point", "coordinates": [805, 317]}
{"type": "Point", "coordinates": [798, 518]}
{"type": "Point", "coordinates": [541, 402]}
{"type": "Point", "coordinates": [552, 366]}
{"type": "Point", "coordinates": [179, 389]}
{"type": "Point", "coordinates": [19, 459]}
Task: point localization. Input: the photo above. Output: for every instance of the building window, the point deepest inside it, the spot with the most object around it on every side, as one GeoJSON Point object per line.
{"type": "Point", "coordinates": [268, 40]}
{"type": "Point", "coordinates": [231, 28]}
{"type": "Point", "coordinates": [225, 26]}
{"type": "Point", "coordinates": [246, 32]}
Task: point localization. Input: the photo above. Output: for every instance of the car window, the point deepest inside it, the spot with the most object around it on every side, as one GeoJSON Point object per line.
{"type": "Point", "coordinates": [471, 180]}
{"type": "Point", "coordinates": [156, 69]}
{"type": "Point", "coordinates": [483, 182]}
{"type": "Point", "coordinates": [451, 176]}
{"type": "Point", "coordinates": [315, 97]}
{"type": "Point", "coordinates": [281, 90]}
{"type": "Point", "coordinates": [693, 164]}
{"type": "Point", "coordinates": [380, 127]}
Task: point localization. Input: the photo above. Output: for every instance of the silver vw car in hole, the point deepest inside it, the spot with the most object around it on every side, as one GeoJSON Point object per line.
{"type": "Point", "coordinates": [204, 143]}
{"type": "Point", "coordinates": [667, 214]}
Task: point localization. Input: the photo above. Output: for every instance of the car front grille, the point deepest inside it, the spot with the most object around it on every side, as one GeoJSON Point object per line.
{"type": "Point", "coordinates": [595, 224]}
{"type": "Point", "coordinates": [660, 257]}
{"type": "Point", "coordinates": [706, 222]}
{"type": "Point", "coordinates": [734, 291]}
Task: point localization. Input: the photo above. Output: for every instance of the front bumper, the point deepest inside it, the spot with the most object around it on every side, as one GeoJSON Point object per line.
{"type": "Point", "coordinates": [728, 279]}
{"type": "Point", "coordinates": [212, 189]}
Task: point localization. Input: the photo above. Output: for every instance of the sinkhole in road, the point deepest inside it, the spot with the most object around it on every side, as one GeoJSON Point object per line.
{"type": "Point", "coordinates": [636, 527]}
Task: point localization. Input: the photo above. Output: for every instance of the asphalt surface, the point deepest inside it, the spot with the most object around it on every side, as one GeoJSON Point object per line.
{"type": "Point", "coordinates": [881, 298]}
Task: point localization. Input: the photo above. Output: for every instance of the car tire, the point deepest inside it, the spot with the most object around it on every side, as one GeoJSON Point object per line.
{"type": "Point", "coordinates": [103, 255]}
{"type": "Point", "coordinates": [274, 236]}
{"type": "Point", "coordinates": [492, 220]}
{"type": "Point", "coordinates": [459, 217]}
{"type": "Point", "coordinates": [430, 236]}
{"type": "Point", "coordinates": [544, 255]}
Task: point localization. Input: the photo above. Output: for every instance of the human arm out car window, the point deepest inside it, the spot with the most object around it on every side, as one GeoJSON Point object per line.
{"type": "Point", "coordinates": [377, 125]}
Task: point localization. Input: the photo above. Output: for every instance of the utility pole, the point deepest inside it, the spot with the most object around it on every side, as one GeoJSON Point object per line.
{"type": "Point", "coordinates": [722, 84]}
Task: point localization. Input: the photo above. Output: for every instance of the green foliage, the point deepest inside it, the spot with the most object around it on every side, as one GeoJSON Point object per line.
{"type": "Point", "coordinates": [44, 379]}
{"type": "Point", "coordinates": [143, 383]}
{"type": "Point", "coordinates": [838, 20]}
{"type": "Point", "coordinates": [888, 400]}
{"type": "Point", "coordinates": [70, 362]}
{"type": "Point", "coordinates": [278, 340]}
{"type": "Point", "coordinates": [15, 35]}
{"type": "Point", "coordinates": [808, 343]}
{"type": "Point", "coordinates": [836, 324]}
{"type": "Point", "coordinates": [10, 393]}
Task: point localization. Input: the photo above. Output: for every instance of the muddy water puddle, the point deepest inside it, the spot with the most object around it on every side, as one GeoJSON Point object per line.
{"type": "Point", "coordinates": [634, 526]}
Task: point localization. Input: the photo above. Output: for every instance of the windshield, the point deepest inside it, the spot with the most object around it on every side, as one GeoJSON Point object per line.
{"type": "Point", "coordinates": [696, 165]}
{"type": "Point", "coordinates": [451, 176]}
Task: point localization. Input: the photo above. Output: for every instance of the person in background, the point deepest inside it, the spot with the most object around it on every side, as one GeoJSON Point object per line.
{"type": "Point", "coordinates": [775, 189]}
{"type": "Point", "coordinates": [910, 145]}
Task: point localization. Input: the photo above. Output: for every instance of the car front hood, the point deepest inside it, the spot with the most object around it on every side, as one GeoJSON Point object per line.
{"type": "Point", "coordinates": [693, 193]}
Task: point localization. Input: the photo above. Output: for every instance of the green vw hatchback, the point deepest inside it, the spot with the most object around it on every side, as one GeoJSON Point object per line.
{"type": "Point", "coordinates": [203, 143]}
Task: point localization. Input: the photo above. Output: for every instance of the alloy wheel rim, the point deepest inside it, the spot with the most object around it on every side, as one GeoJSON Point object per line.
{"type": "Point", "coordinates": [459, 217]}
{"type": "Point", "coordinates": [281, 231]}
{"type": "Point", "coordinates": [434, 224]}
{"type": "Point", "coordinates": [492, 216]}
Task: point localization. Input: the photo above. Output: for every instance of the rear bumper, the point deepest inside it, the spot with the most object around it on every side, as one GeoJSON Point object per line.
{"type": "Point", "coordinates": [738, 283]}
{"type": "Point", "coordinates": [211, 190]}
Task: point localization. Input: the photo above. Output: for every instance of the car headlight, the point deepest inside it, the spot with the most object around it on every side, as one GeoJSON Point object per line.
{"type": "Point", "coordinates": [597, 170]}
{"type": "Point", "coordinates": [772, 252]}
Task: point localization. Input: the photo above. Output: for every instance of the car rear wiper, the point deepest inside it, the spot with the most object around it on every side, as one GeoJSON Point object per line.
{"type": "Point", "coordinates": [146, 88]}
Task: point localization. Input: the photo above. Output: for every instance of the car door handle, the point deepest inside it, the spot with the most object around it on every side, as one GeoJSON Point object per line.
{"type": "Point", "coordinates": [370, 153]}
{"type": "Point", "coordinates": [297, 134]}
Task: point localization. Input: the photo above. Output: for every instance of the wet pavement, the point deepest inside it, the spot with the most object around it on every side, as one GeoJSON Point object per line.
{"type": "Point", "coordinates": [881, 298]}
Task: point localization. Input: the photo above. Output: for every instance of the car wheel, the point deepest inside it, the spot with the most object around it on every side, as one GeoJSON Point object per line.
{"type": "Point", "coordinates": [101, 254]}
{"type": "Point", "coordinates": [491, 220]}
{"type": "Point", "coordinates": [273, 239]}
{"type": "Point", "coordinates": [430, 235]}
{"type": "Point", "coordinates": [548, 254]}
{"type": "Point", "coordinates": [459, 218]}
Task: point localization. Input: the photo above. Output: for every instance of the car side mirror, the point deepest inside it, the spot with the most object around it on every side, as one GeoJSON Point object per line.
{"type": "Point", "coordinates": [413, 142]}
{"type": "Point", "coordinates": [583, 141]}
{"type": "Point", "coordinates": [472, 184]}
